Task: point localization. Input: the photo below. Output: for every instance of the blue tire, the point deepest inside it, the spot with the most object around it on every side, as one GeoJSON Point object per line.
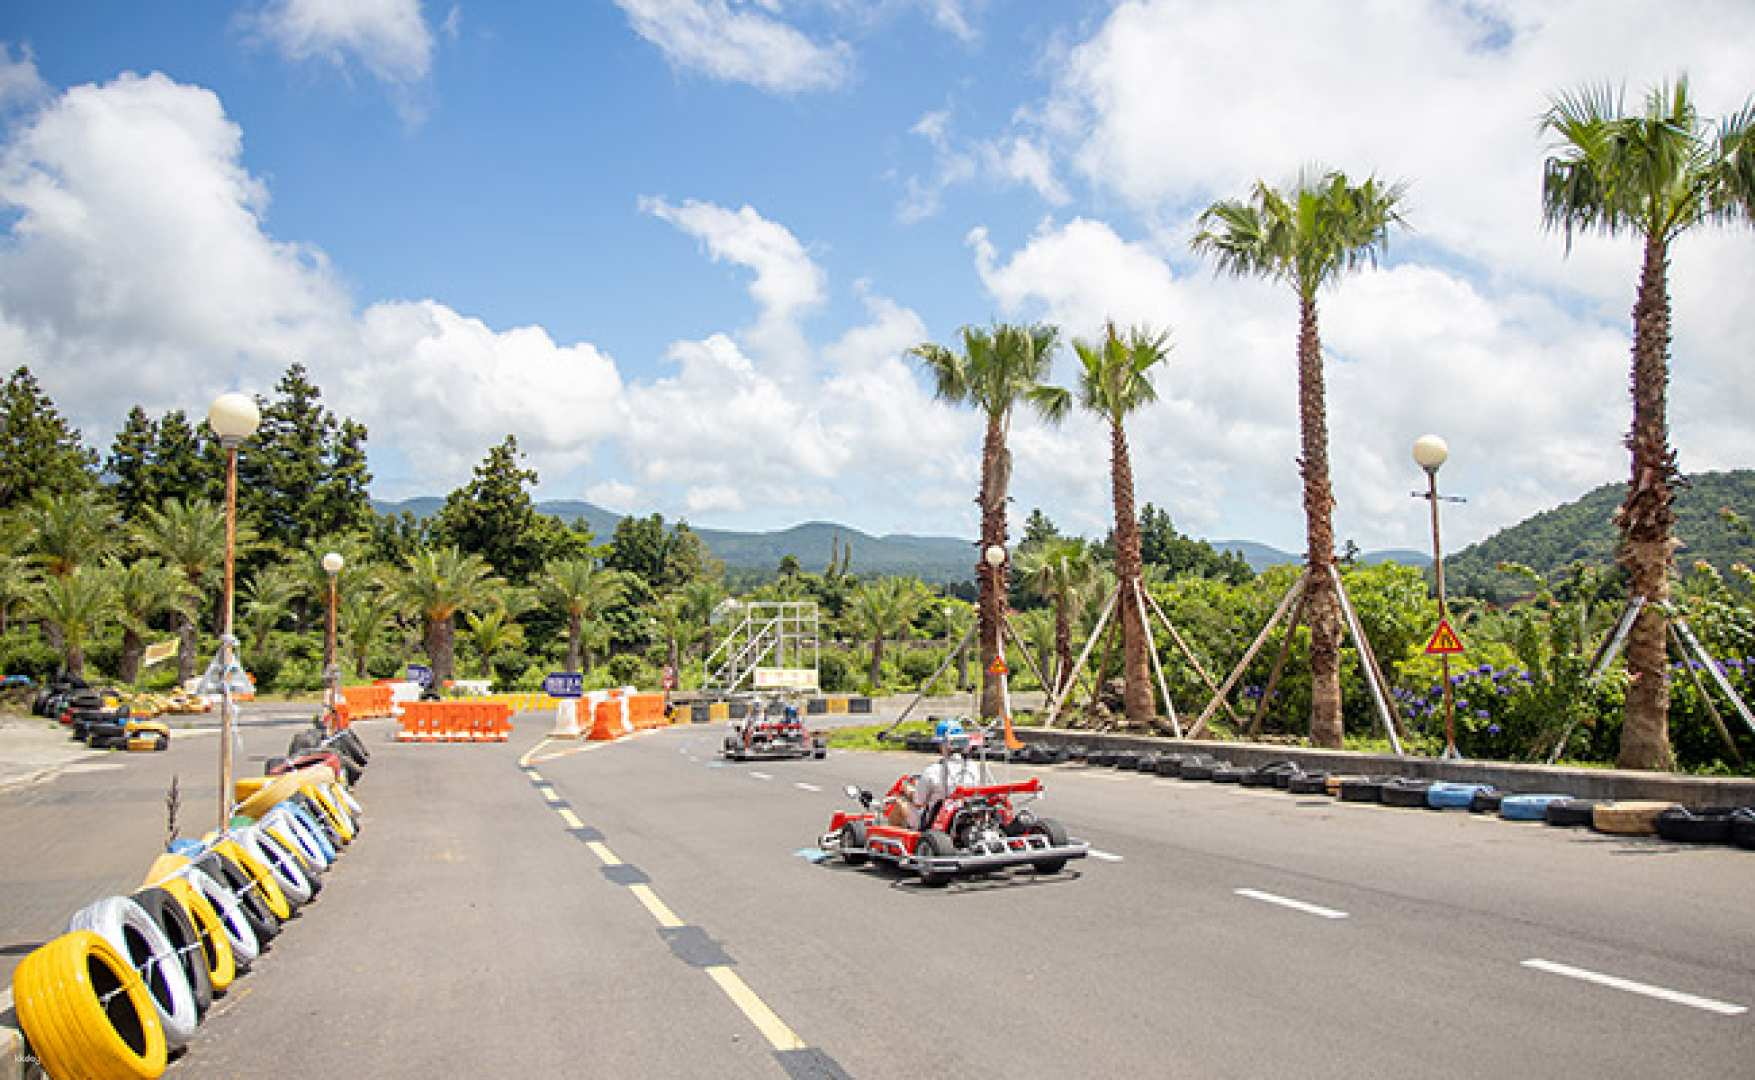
{"type": "Point", "coordinates": [1527, 807]}
{"type": "Point", "coordinates": [1446, 795]}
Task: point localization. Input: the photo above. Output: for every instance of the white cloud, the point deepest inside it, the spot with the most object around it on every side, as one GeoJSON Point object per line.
{"type": "Point", "coordinates": [614, 495]}
{"type": "Point", "coordinates": [20, 85]}
{"type": "Point", "coordinates": [390, 38]}
{"type": "Point", "coordinates": [732, 42]}
{"type": "Point", "coordinates": [1012, 159]}
{"type": "Point", "coordinates": [717, 497]}
{"type": "Point", "coordinates": [788, 281]}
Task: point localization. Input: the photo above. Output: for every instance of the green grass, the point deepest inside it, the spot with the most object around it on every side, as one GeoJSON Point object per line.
{"type": "Point", "coordinates": [865, 737]}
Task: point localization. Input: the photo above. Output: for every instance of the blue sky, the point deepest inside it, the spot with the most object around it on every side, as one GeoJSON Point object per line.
{"type": "Point", "coordinates": [680, 246]}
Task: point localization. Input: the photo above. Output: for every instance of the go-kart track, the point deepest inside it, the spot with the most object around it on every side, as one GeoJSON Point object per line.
{"type": "Point", "coordinates": [645, 908]}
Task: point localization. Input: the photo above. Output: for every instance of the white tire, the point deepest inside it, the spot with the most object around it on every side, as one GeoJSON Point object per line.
{"type": "Point", "coordinates": [288, 823]}
{"type": "Point", "coordinates": [142, 942]}
{"type": "Point", "coordinates": [345, 799]}
{"type": "Point", "coordinates": [340, 805]}
{"type": "Point", "coordinates": [286, 870]}
{"type": "Point", "coordinates": [238, 930]}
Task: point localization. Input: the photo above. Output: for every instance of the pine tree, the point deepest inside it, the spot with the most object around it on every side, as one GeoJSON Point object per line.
{"type": "Point", "coordinates": [303, 474]}
{"type": "Point", "coordinates": [178, 468]}
{"type": "Point", "coordinates": [494, 516]}
{"type": "Point", "coordinates": [128, 469]}
{"type": "Point", "coordinates": [39, 450]}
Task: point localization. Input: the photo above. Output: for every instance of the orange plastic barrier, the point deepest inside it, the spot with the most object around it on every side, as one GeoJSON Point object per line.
{"type": "Point", "coordinates": [455, 721]}
{"type": "Point", "coordinates": [606, 721]}
{"type": "Point", "coordinates": [646, 710]}
{"type": "Point", "coordinates": [367, 701]}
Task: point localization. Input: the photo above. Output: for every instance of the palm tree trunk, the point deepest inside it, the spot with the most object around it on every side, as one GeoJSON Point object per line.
{"type": "Point", "coordinates": [186, 647]}
{"type": "Point", "coordinates": [1321, 605]}
{"type": "Point", "coordinates": [132, 648]}
{"type": "Point", "coordinates": [575, 623]}
{"type": "Point", "coordinates": [440, 648]}
{"type": "Point", "coordinates": [877, 662]}
{"type": "Point", "coordinates": [1137, 695]}
{"type": "Point", "coordinates": [75, 658]}
{"type": "Point", "coordinates": [1063, 655]}
{"type": "Point", "coordinates": [1646, 519]}
{"type": "Point", "coordinates": [992, 579]}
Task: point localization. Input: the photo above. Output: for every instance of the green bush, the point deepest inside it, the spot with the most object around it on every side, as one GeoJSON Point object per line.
{"type": "Point", "coordinates": [24, 652]}
{"type": "Point", "coordinates": [916, 665]}
{"type": "Point", "coordinates": [832, 673]}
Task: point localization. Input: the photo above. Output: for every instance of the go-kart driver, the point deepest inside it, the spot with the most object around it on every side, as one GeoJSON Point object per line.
{"type": "Point", "coordinates": [950, 772]}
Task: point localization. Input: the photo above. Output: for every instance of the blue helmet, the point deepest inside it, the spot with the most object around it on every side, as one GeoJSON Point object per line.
{"type": "Point", "coordinates": [951, 735]}
{"type": "Point", "coordinates": [792, 712]}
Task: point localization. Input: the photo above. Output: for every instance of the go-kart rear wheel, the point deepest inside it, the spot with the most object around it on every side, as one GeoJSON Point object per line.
{"type": "Point", "coordinates": [853, 837]}
{"type": "Point", "coordinates": [1055, 833]}
{"type": "Point", "coordinates": [935, 843]}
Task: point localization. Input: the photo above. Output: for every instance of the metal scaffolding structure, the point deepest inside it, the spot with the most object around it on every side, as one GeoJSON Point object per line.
{"type": "Point", "coordinates": [772, 645]}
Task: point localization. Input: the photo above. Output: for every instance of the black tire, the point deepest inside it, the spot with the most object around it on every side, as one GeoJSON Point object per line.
{"type": "Point", "coordinates": [853, 835]}
{"type": "Point", "coordinates": [1486, 802]}
{"type": "Point", "coordinates": [1406, 793]}
{"type": "Point", "coordinates": [1283, 780]}
{"type": "Point", "coordinates": [1147, 763]}
{"type": "Point", "coordinates": [1126, 759]}
{"type": "Point", "coordinates": [935, 843]}
{"type": "Point", "coordinates": [234, 880]}
{"type": "Point", "coordinates": [355, 744]}
{"type": "Point", "coordinates": [1743, 828]}
{"type": "Point", "coordinates": [1702, 825]}
{"type": "Point", "coordinates": [1308, 784]}
{"type": "Point", "coordinates": [1357, 789]}
{"type": "Point", "coordinates": [1229, 774]}
{"type": "Point", "coordinates": [1196, 770]}
{"type": "Point", "coordinates": [322, 819]}
{"type": "Point", "coordinates": [180, 930]}
{"type": "Point", "coordinates": [1570, 813]}
{"type": "Point", "coordinates": [274, 766]}
{"type": "Point", "coordinates": [1056, 834]}
{"type": "Point", "coordinates": [1170, 764]}
{"type": "Point", "coordinates": [303, 743]}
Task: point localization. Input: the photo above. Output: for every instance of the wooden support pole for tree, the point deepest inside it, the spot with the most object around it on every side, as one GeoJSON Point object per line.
{"type": "Point", "coordinates": [1273, 682]}
{"type": "Point", "coordinates": [1018, 640]}
{"type": "Point", "coordinates": [1373, 674]}
{"type": "Point", "coordinates": [1157, 665]}
{"type": "Point", "coordinates": [1700, 688]}
{"type": "Point", "coordinates": [1188, 653]}
{"type": "Point", "coordinates": [1102, 621]}
{"type": "Point", "coordinates": [1296, 590]}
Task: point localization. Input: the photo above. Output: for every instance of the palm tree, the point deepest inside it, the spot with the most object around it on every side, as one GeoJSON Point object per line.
{"type": "Point", "coordinates": [267, 601]}
{"type": "Point", "coordinates": [74, 604]}
{"type": "Point", "coordinates": [884, 609]}
{"type": "Point", "coordinates": [957, 617]}
{"type": "Point", "coordinates": [191, 537]}
{"type": "Point", "coordinates": [1308, 237]}
{"type": "Point", "coordinates": [1036, 629]}
{"type": "Point", "coordinates": [1063, 572]}
{"type": "Point", "coordinates": [583, 591]}
{"type": "Point", "coordinates": [1654, 175]}
{"type": "Point", "coordinates": [364, 613]}
{"type": "Point", "coordinates": [145, 589]}
{"type": "Point", "coordinates": [16, 579]}
{"type": "Point", "coordinates": [492, 633]}
{"type": "Point", "coordinates": [438, 584]}
{"type": "Point", "coordinates": [65, 532]}
{"type": "Point", "coordinates": [700, 597]}
{"type": "Point", "coordinates": [672, 616]}
{"type": "Point", "coordinates": [1115, 379]}
{"type": "Point", "coordinates": [996, 370]}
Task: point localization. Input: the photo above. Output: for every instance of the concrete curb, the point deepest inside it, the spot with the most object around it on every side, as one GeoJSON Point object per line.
{"type": "Point", "coordinates": [1511, 777]}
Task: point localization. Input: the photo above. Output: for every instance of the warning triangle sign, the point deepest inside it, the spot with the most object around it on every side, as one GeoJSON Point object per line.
{"type": "Point", "coordinates": [998, 666]}
{"type": "Point", "coordinates": [1444, 641]}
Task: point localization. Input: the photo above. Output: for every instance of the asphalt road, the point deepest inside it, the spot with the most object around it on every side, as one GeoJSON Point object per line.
{"type": "Point", "coordinates": [639, 908]}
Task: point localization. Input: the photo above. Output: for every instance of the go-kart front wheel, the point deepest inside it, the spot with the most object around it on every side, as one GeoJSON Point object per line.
{"type": "Point", "coordinates": [853, 837]}
{"type": "Point", "coordinates": [934, 843]}
{"type": "Point", "coordinates": [1055, 833]}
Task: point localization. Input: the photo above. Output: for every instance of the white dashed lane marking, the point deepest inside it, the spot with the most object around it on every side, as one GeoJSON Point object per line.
{"type": "Point", "coordinates": [800, 784]}
{"type": "Point", "coordinates": [1295, 905]}
{"type": "Point", "coordinates": [1106, 856]}
{"type": "Point", "coordinates": [760, 776]}
{"type": "Point", "coordinates": [1723, 1008]}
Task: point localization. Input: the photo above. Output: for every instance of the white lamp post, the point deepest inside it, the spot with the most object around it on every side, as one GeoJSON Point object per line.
{"type": "Point", "coordinates": [1430, 453]}
{"type": "Point", "coordinates": [234, 418]}
{"type": "Point", "coordinates": [332, 562]}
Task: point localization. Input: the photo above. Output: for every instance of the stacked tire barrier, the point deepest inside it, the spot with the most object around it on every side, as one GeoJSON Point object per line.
{"type": "Point", "coordinates": [131, 980]}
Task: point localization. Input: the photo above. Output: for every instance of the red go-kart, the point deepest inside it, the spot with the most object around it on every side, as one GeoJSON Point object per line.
{"type": "Point", "coordinates": [773, 737]}
{"type": "Point", "coordinates": [974, 830]}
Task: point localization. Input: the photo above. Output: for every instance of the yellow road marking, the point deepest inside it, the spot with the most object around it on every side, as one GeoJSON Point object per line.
{"type": "Point", "coordinates": [571, 819]}
{"type": "Point", "coordinates": [665, 916]}
{"type": "Point", "coordinates": [535, 777]}
{"type": "Point", "coordinates": [603, 853]}
{"type": "Point", "coordinates": [548, 793]}
{"type": "Point", "coordinates": [771, 1026]}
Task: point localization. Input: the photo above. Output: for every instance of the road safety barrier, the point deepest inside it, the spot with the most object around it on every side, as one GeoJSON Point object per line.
{"type": "Point", "coordinates": [455, 721]}
{"type": "Point", "coordinates": [365, 702]}
{"type": "Point", "coordinates": [134, 975]}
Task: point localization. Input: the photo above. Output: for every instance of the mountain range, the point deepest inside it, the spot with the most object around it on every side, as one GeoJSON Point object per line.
{"type": "Point", "coordinates": [935, 559]}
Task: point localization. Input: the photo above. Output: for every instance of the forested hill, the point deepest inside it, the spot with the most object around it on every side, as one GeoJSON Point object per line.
{"type": "Point", "coordinates": [1585, 530]}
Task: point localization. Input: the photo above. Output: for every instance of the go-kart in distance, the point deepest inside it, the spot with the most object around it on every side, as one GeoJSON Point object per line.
{"type": "Point", "coordinates": [773, 730]}
{"type": "Point", "coordinates": [976, 829]}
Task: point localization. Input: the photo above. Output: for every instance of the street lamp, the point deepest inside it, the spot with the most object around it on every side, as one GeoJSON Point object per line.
{"type": "Point", "coordinates": [332, 562]}
{"type": "Point", "coordinates": [1430, 453]}
{"type": "Point", "coordinates": [233, 418]}
{"type": "Point", "coordinates": [995, 555]}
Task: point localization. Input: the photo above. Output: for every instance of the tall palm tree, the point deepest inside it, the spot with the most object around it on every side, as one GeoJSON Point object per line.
{"type": "Point", "coordinates": [16, 578]}
{"type": "Point", "coordinates": [1063, 572]}
{"type": "Point", "coordinates": [1656, 175]}
{"type": "Point", "coordinates": [437, 584]}
{"type": "Point", "coordinates": [191, 537]}
{"type": "Point", "coordinates": [996, 370]}
{"type": "Point", "coordinates": [64, 532]}
{"type": "Point", "coordinates": [672, 616]}
{"type": "Point", "coordinates": [884, 609]}
{"type": "Point", "coordinates": [582, 591]}
{"type": "Point", "coordinates": [1308, 237]}
{"type": "Point", "coordinates": [1115, 379]}
{"type": "Point", "coordinates": [75, 604]}
{"type": "Point", "coordinates": [145, 589]}
{"type": "Point", "coordinates": [491, 633]}
{"type": "Point", "coordinates": [267, 602]}
{"type": "Point", "coordinates": [700, 597]}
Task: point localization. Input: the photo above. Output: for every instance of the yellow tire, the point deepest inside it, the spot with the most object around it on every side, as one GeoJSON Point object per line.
{"type": "Point", "coordinates": [316, 774]}
{"type": "Point", "coordinates": [64, 994]}
{"type": "Point", "coordinates": [260, 875]}
{"type": "Point", "coordinates": [216, 947]}
{"type": "Point", "coordinates": [337, 816]}
{"type": "Point", "coordinates": [259, 798]}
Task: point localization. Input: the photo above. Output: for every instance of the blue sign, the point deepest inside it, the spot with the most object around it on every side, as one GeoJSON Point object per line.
{"type": "Point", "coordinates": [420, 673]}
{"type": "Point", "coordinates": [564, 684]}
